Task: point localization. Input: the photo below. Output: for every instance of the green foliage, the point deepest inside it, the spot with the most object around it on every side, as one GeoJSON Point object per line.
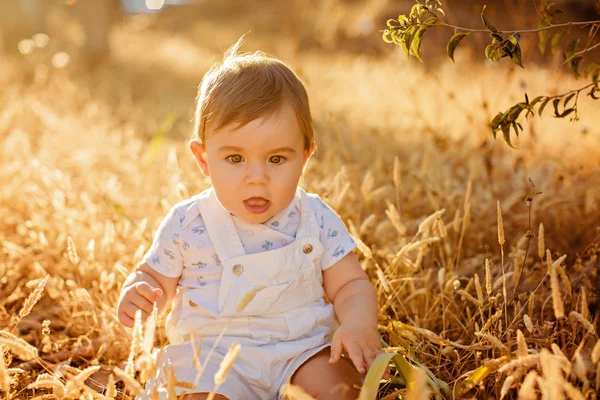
{"type": "Point", "coordinates": [408, 31]}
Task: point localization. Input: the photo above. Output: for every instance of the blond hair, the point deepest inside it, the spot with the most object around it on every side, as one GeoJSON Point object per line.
{"type": "Point", "coordinates": [246, 86]}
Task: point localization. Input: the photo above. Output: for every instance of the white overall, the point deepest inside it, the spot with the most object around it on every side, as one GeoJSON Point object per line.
{"type": "Point", "coordinates": [286, 323]}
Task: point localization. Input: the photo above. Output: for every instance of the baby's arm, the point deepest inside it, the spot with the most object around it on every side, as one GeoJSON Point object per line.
{"type": "Point", "coordinates": [141, 289]}
{"type": "Point", "coordinates": [355, 304]}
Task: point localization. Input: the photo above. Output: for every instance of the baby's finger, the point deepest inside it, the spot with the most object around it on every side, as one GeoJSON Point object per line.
{"type": "Point", "coordinates": [131, 308]}
{"type": "Point", "coordinates": [369, 356]}
{"type": "Point", "coordinates": [356, 355]}
{"type": "Point", "coordinates": [336, 351]}
{"type": "Point", "coordinates": [146, 291]}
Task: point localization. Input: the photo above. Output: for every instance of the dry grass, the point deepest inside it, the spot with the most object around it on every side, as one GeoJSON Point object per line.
{"type": "Point", "coordinates": [404, 156]}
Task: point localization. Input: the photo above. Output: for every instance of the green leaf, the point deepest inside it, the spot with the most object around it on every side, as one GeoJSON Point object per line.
{"type": "Point", "coordinates": [516, 56]}
{"type": "Point", "coordinates": [506, 133]}
{"type": "Point", "coordinates": [497, 121]}
{"type": "Point", "coordinates": [556, 40]}
{"type": "Point", "coordinates": [555, 104]}
{"type": "Point", "coordinates": [370, 385]}
{"type": "Point", "coordinates": [535, 101]}
{"type": "Point", "coordinates": [570, 48]}
{"type": "Point", "coordinates": [574, 65]}
{"type": "Point", "coordinates": [590, 68]}
{"type": "Point", "coordinates": [543, 105]}
{"type": "Point", "coordinates": [158, 136]}
{"type": "Point", "coordinates": [566, 112]}
{"type": "Point", "coordinates": [387, 37]}
{"type": "Point", "coordinates": [453, 43]}
{"type": "Point", "coordinates": [486, 22]}
{"type": "Point", "coordinates": [415, 46]}
{"type": "Point", "coordinates": [497, 36]}
{"type": "Point", "coordinates": [592, 93]}
{"type": "Point", "coordinates": [543, 35]}
{"type": "Point", "coordinates": [568, 98]}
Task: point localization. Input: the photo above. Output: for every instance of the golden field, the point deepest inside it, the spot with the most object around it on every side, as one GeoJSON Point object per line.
{"type": "Point", "coordinates": [91, 160]}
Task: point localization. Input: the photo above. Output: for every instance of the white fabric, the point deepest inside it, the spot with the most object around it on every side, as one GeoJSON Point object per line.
{"type": "Point", "coordinates": [286, 322]}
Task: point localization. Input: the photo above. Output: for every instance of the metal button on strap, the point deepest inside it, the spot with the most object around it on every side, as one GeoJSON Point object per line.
{"type": "Point", "coordinates": [238, 269]}
{"type": "Point", "coordinates": [307, 249]}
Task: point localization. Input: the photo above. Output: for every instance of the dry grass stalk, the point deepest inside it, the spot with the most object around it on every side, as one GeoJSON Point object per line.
{"type": "Point", "coordinates": [467, 296]}
{"type": "Point", "coordinates": [136, 342]}
{"type": "Point", "coordinates": [586, 324]}
{"type": "Point", "coordinates": [565, 280]}
{"type": "Point", "coordinates": [72, 251]}
{"type": "Point", "coordinates": [247, 298]}
{"type": "Point", "coordinates": [227, 363]}
{"type": "Point", "coordinates": [488, 278]}
{"type": "Point", "coordinates": [579, 367]}
{"type": "Point", "coordinates": [77, 384]}
{"type": "Point", "coordinates": [531, 303]}
{"type": "Point", "coordinates": [596, 352]}
{"type": "Point", "coordinates": [4, 375]}
{"type": "Point", "coordinates": [598, 375]}
{"type": "Point", "coordinates": [557, 302]}
{"type": "Point", "coordinates": [397, 174]}
{"type": "Point", "coordinates": [394, 216]}
{"type": "Point", "coordinates": [47, 381]}
{"type": "Point", "coordinates": [527, 390]}
{"type": "Point", "coordinates": [33, 298]}
{"type": "Point", "coordinates": [18, 346]}
{"type": "Point", "coordinates": [541, 244]}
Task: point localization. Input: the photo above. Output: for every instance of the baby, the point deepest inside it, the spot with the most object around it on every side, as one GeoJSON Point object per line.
{"type": "Point", "coordinates": [255, 231]}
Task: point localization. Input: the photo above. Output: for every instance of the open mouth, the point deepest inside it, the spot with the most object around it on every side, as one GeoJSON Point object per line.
{"type": "Point", "coordinates": [257, 205]}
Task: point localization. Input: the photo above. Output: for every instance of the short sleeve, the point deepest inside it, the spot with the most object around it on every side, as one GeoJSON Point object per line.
{"type": "Point", "coordinates": [334, 236]}
{"type": "Point", "coordinates": [165, 255]}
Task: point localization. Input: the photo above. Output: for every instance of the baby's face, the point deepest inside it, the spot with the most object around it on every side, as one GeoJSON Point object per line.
{"type": "Point", "coordinates": [255, 169]}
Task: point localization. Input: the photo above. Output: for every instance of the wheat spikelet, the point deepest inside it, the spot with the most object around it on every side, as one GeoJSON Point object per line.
{"type": "Point", "coordinates": [491, 320]}
{"type": "Point", "coordinates": [549, 261]}
{"type": "Point", "coordinates": [247, 298]}
{"type": "Point", "coordinates": [527, 390]}
{"type": "Point", "coordinates": [508, 383]}
{"type": "Point", "coordinates": [467, 296]}
{"type": "Point", "coordinates": [596, 352]}
{"type": "Point", "coordinates": [420, 389]}
{"type": "Point", "coordinates": [4, 376]}
{"type": "Point", "coordinates": [493, 340]}
{"type": "Point", "coordinates": [136, 341]}
{"type": "Point", "coordinates": [572, 391]}
{"type": "Point", "coordinates": [586, 324]}
{"type": "Point", "coordinates": [557, 302]}
{"type": "Point", "coordinates": [579, 367]}
{"type": "Point", "coordinates": [456, 221]}
{"type": "Point", "coordinates": [521, 343]}
{"type": "Point", "coordinates": [33, 298]}
{"type": "Point", "coordinates": [541, 244]}
{"type": "Point", "coordinates": [565, 280]}
{"type": "Point", "coordinates": [527, 361]}
{"type": "Point", "coordinates": [72, 251]}
{"type": "Point", "coordinates": [488, 278]}
{"type": "Point", "coordinates": [530, 304]}
{"type": "Point", "coordinates": [227, 362]}
{"type": "Point", "coordinates": [585, 312]}
{"type": "Point", "coordinates": [478, 289]}
{"type": "Point", "coordinates": [426, 226]}
{"type": "Point", "coordinates": [295, 392]}
{"type": "Point", "coordinates": [75, 385]}
{"type": "Point", "coordinates": [468, 193]}
{"type": "Point", "coordinates": [133, 385]}
{"type": "Point", "coordinates": [500, 225]}
{"type": "Point", "coordinates": [397, 175]}
{"type": "Point", "coordinates": [392, 213]}
{"type": "Point", "coordinates": [47, 381]}
{"type": "Point", "coordinates": [364, 248]}
{"type": "Point", "coordinates": [111, 388]}
{"type": "Point", "coordinates": [528, 323]}
{"type": "Point", "coordinates": [18, 346]}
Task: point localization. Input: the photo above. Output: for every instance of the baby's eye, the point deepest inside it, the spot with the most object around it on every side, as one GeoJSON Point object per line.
{"type": "Point", "coordinates": [276, 159]}
{"type": "Point", "coordinates": [234, 159]}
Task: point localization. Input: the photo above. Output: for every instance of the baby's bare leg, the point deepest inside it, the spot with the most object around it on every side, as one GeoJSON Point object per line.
{"type": "Point", "coordinates": [201, 396]}
{"type": "Point", "coordinates": [327, 381]}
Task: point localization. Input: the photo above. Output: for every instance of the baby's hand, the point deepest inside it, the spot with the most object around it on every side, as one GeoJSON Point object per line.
{"type": "Point", "coordinates": [139, 296]}
{"type": "Point", "coordinates": [361, 343]}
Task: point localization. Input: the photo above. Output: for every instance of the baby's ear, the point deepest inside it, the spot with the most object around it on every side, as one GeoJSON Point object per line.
{"type": "Point", "coordinates": [307, 154]}
{"type": "Point", "coordinates": [199, 153]}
